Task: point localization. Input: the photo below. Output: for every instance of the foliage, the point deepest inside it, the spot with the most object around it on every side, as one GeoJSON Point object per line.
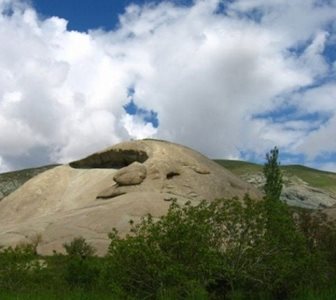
{"type": "Point", "coordinates": [228, 248]}
{"type": "Point", "coordinates": [158, 255]}
{"type": "Point", "coordinates": [223, 246]}
{"type": "Point", "coordinates": [80, 270]}
{"type": "Point", "coordinates": [18, 265]}
{"type": "Point", "coordinates": [320, 236]}
{"type": "Point", "coordinates": [82, 273]}
{"type": "Point", "coordinates": [78, 247]}
{"type": "Point", "coordinates": [273, 175]}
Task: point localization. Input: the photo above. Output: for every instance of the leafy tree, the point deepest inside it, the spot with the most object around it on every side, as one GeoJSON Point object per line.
{"type": "Point", "coordinates": [273, 175]}
{"type": "Point", "coordinates": [291, 254]}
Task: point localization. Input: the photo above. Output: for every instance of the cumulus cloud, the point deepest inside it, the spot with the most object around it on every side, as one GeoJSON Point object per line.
{"type": "Point", "coordinates": [205, 72]}
{"type": "Point", "coordinates": [137, 128]}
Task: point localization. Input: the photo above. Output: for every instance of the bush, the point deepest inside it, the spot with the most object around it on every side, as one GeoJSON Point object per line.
{"type": "Point", "coordinates": [81, 273]}
{"type": "Point", "coordinates": [81, 270]}
{"type": "Point", "coordinates": [164, 255]}
{"type": "Point", "coordinates": [19, 267]}
{"type": "Point", "coordinates": [78, 247]}
{"type": "Point", "coordinates": [223, 247]}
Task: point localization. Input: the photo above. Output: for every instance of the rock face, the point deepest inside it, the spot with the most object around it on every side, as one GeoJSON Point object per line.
{"type": "Point", "coordinates": [104, 190]}
{"type": "Point", "coordinates": [11, 181]}
{"type": "Point", "coordinates": [307, 197]}
{"type": "Point", "coordinates": [164, 167]}
{"type": "Point", "coordinates": [133, 174]}
{"type": "Point", "coordinates": [296, 192]}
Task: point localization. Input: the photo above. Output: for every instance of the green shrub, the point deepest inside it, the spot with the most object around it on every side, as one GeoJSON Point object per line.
{"type": "Point", "coordinates": [223, 246]}
{"type": "Point", "coordinates": [81, 270]}
{"type": "Point", "coordinates": [19, 266]}
{"type": "Point", "coordinates": [80, 273]}
{"type": "Point", "coordinates": [79, 247]}
{"type": "Point", "coordinates": [164, 255]}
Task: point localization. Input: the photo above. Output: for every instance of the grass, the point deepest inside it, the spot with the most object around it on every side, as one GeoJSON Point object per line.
{"type": "Point", "coordinates": [315, 178]}
{"type": "Point", "coordinates": [51, 295]}
{"type": "Point", "coordinates": [327, 294]}
{"type": "Point", "coordinates": [239, 167]}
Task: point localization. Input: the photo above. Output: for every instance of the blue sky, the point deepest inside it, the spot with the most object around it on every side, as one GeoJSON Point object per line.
{"type": "Point", "coordinates": [231, 79]}
{"type": "Point", "coordinates": [84, 15]}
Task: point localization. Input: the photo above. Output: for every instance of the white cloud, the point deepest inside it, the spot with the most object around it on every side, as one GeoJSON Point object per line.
{"type": "Point", "coordinates": [293, 21]}
{"type": "Point", "coordinates": [205, 74]}
{"type": "Point", "coordinates": [136, 128]}
{"type": "Point", "coordinates": [320, 141]}
{"type": "Point", "coordinates": [318, 99]}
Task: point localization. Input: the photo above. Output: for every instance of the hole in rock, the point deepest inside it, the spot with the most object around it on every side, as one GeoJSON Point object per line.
{"type": "Point", "coordinates": [114, 159]}
{"type": "Point", "coordinates": [170, 175]}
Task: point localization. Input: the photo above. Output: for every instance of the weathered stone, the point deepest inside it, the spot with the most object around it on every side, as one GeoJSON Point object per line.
{"type": "Point", "coordinates": [110, 192]}
{"type": "Point", "coordinates": [133, 174]}
{"type": "Point", "coordinates": [296, 192]}
{"type": "Point", "coordinates": [179, 171]}
{"type": "Point", "coordinates": [307, 197]}
{"type": "Point", "coordinates": [61, 203]}
{"type": "Point", "coordinates": [200, 170]}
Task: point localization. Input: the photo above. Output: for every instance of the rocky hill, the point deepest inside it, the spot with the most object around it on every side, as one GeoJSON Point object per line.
{"type": "Point", "coordinates": [129, 180]}
{"type": "Point", "coordinates": [109, 188]}
{"type": "Point", "coordinates": [11, 181]}
{"type": "Point", "coordinates": [303, 186]}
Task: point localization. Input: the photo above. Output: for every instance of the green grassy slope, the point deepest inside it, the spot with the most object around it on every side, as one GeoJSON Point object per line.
{"type": "Point", "coordinates": [239, 167]}
{"type": "Point", "coordinates": [315, 178]}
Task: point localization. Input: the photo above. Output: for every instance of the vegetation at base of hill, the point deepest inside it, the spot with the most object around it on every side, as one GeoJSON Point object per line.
{"type": "Point", "coordinates": [226, 249]}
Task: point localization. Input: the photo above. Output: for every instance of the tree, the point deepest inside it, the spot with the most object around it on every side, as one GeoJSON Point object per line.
{"type": "Point", "coordinates": [272, 172]}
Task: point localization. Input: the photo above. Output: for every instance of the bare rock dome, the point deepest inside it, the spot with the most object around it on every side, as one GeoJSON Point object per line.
{"type": "Point", "coordinates": [90, 196]}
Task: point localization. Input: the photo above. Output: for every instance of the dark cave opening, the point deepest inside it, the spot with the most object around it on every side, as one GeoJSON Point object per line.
{"type": "Point", "coordinates": [114, 159]}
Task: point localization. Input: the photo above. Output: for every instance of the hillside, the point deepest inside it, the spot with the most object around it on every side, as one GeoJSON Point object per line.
{"type": "Point", "coordinates": [303, 186]}
{"type": "Point", "coordinates": [297, 178]}
{"type": "Point", "coordinates": [11, 181]}
{"type": "Point", "coordinates": [109, 188]}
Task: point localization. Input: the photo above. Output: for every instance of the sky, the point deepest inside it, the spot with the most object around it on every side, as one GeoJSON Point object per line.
{"type": "Point", "coordinates": [229, 78]}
